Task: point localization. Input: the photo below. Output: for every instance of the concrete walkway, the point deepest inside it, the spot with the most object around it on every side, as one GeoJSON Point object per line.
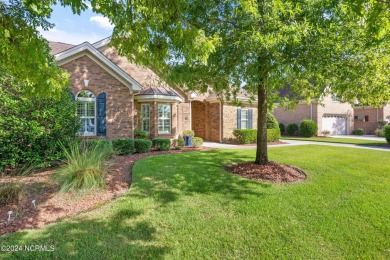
{"type": "Point", "coordinates": [294, 142]}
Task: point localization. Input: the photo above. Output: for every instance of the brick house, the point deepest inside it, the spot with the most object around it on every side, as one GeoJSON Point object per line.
{"type": "Point", "coordinates": [115, 97]}
{"type": "Point", "coordinates": [369, 118]}
{"type": "Point", "coordinates": [333, 115]}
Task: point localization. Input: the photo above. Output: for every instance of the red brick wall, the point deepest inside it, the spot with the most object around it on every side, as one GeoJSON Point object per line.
{"type": "Point", "coordinates": [230, 119]}
{"type": "Point", "coordinates": [372, 124]}
{"type": "Point", "coordinates": [119, 99]}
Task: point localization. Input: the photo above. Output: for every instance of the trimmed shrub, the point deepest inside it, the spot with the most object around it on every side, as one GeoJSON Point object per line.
{"type": "Point", "coordinates": [245, 136]}
{"type": "Point", "coordinates": [326, 133]}
{"type": "Point", "coordinates": [292, 129]}
{"type": "Point", "coordinates": [308, 128]}
{"type": "Point", "coordinates": [142, 145]}
{"type": "Point", "coordinates": [161, 144]}
{"type": "Point", "coordinates": [123, 146]}
{"type": "Point", "coordinates": [31, 129]}
{"type": "Point", "coordinates": [178, 143]}
{"type": "Point", "coordinates": [282, 128]}
{"type": "Point", "coordinates": [358, 131]}
{"type": "Point", "coordinates": [188, 133]}
{"type": "Point", "coordinates": [84, 167]}
{"type": "Point", "coordinates": [197, 142]}
{"type": "Point", "coordinates": [11, 193]}
{"type": "Point", "coordinates": [249, 136]}
{"type": "Point", "coordinates": [387, 133]}
{"type": "Point", "coordinates": [139, 134]}
{"type": "Point", "coordinates": [272, 123]}
{"type": "Point", "coordinates": [380, 132]}
{"type": "Point", "coordinates": [273, 135]}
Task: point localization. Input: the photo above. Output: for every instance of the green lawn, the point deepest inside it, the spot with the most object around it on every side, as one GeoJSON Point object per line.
{"type": "Point", "coordinates": [337, 140]}
{"type": "Point", "coordinates": [185, 206]}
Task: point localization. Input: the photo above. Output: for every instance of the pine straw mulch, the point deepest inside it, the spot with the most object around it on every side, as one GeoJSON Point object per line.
{"type": "Point", "coordinates": [52, 205]}
{"type": "Point", "coordinates": [270, 172]}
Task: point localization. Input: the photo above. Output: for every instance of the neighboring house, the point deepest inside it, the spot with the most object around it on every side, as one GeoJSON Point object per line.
{"type": "Point", "coordinates": [115, 97]}
{"type": "Point", "coordinates": [369, 118]}
{"type": "Point", "coordinates": [332, 115]}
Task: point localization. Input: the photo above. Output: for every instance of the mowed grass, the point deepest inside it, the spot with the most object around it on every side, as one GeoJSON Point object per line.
{"type": "Point", "coordinates": [185, 206]}
{"type": "Point", "coordinates": [338, 140]}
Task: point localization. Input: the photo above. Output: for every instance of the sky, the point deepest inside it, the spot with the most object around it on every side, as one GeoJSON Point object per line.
{"type": "Point", "coordinates": [75, 29]}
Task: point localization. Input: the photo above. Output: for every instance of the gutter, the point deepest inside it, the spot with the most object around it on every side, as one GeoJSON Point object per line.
{"type": "Point", "coordinates": [220, 121]}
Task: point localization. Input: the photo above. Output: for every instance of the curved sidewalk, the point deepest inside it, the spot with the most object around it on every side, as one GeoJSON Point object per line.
{"type": "Point", "coordinates": [292, 143]}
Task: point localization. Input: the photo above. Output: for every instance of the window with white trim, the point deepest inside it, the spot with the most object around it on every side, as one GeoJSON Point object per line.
{"type": "Point", "coordinates": [86, 111]}
{"type": "Point", "coordinates": [164, 119]}
{"type": "Point", "coordinates": [244, 119]}
{"type": "Point", "coordinates": [145, 115]}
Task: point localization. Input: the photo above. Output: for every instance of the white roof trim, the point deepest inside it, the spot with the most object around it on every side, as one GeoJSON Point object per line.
{"type": "Point", "coordinates": [102, 43]}
{"type": "Point", "coordinates": [147, 98]}
{"type": "Point", "coordinates": [87, 49]}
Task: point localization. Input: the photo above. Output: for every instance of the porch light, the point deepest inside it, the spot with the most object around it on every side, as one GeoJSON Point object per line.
{"type": "Point", "coordinates": [193, 95]}
{"type": "Point", "coordinates": [86, 82]}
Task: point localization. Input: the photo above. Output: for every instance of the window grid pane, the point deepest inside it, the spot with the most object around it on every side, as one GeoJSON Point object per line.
{"type": "Point", "coordinates": [164, 118]}
{"type": "Point", "coordinates": [244, 119]}
{"type": "Point", "coordinates": [86, 112]}
{"type": "Point", "coordinates": [145, 114]}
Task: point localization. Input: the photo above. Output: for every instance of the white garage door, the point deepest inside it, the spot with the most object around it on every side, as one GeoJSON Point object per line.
{"type": "Point", "coordinates": [336, 124]}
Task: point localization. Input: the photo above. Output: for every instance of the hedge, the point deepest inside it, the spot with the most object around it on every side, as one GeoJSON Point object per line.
{"type": "Point", "coordinates": [142, 145]}
{"type": "Point", "coordinates": [358, 131]}
{"type": "Point", "coordinates": [387, 133]}
{"type": "Point", "coordinates": [123, 146]}
{"type": "Point", "coordinates": [178, 143]}
{"type": "Point", "coordinates": [282, 128]}
{"type": "Point", "coordinates": [308, 128]}
{"type": "Point", "coordinates": [249, 136]}
{"type": "Point", "coordinates": [161, 144]}
{"type": "Point", "coordinates": [272, 123]}
{"type": "Point", "coordinates": [197, 142]}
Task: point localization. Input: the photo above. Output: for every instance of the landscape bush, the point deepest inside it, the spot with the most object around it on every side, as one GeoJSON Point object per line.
{"type": "Point", "coordinates": [272, 123]}
{"type": "Point", "coordinates": [308, 128]}
{"type": "Point", "coordinates": [387, 133]}
{"type": "Point", "coordinates": [292, 129]}
{"type": "Point", "coordinates": [123, 146]}
{"type": "Point", "coordinates": [84, 166]}
{"type": "Point", "coordinates": [142, 145]}
{"type": "Point", "coordinates": [380, 132]}
{"type": "Point", "coordinates": [282, 128]}
{"type": "Point", "coordinates": [31, 129]}
{"type": "Point", "coordinates": [161, 144]}
{"type": "Point", "coordinates": [139, 134]}
{"type": "Point", "coordinates": [11, 193]}
{"type": "Point", "coordinates": [249, 136]}
{"type": "Point", "coordinates": [358, 131]}
{"type": "Point", "coordinates": [178, 143]}
{"type": "Point", "coordinates": [197, 142]}
{"type": "Point", "coordinates": [326, 133]}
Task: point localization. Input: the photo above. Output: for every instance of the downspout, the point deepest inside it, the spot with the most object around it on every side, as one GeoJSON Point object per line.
{"type": "Point", "coordinates": [220, 121]}
{"type": "Point", "coordinates": [132, 113]}
{"type": "Point", "coordinates": [177, 121]}
{"type": "Point", "coordinates": [311, 110]}
{"type": "Point", "coordinates": [190, 114]}
{"type": "Point", "coordinates": [377, 115]}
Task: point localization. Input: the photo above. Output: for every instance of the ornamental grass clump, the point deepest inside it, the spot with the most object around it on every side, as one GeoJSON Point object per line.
{"type": "Point", "coordinates": [84, 167]}
{"type": "Point", "coordinates": [11, 193]}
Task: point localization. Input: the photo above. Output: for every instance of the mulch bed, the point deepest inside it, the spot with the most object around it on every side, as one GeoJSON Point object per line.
{"type": "Point", "coordinates": [52, 205]}
{"type": "Point", "coordinates": [270, 172]}
{"type": "Point", "coordinates": [232, 141]}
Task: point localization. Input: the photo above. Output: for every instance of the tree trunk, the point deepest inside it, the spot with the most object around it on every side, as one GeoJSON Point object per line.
{"type": "Point", "coordinates": [261, 151]}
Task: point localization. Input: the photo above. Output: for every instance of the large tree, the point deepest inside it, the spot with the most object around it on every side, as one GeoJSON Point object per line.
{"type": "Point", "coordinates": [306, 47]}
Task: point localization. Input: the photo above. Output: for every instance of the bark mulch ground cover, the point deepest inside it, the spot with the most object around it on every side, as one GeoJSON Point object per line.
{"type": "Point", "coordinates": [270, 172]}
{"type": "Point", "coordinates": [52, 205]}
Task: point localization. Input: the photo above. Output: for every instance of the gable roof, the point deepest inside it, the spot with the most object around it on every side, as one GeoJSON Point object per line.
{"type": "Point", "coordinates": [72, 53]}
{"type": "Point", "coordinates": [57, 47]}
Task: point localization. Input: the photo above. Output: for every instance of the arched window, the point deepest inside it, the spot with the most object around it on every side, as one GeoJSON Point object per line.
{"type": "Point", "coordinates": [86, 111]}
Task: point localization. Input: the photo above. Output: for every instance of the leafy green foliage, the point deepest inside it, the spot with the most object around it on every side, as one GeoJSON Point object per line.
{"type": "Point", "coordinates": [292, 129]}
{"type": "Point", "coordinates": [10, 193]}
{"type": "Point", "coordinates": [387, 133]}
{"type": "Point", "coordinates": [31, 129]}
{"type": "Point", "coordinates": [178, 143]}
{"type": "Point", "coordinates": [139, 134]}
{"type": "Point", "coordinates": [161, 144]}
{"type": "Point", "coordinates": [272, 123]}
{"type": "Point", "coordinates": [142, 145]}
{"type": "Point", "coordinates": [282, 128]}
{"type": "Point", "coordinates": [358, 131]}
{"type": "Point", "coordinates": [188, 133]}
{"type": "Point", "coordinates": [84, 167]}
{"type": "Point", "coordinates": [197, 142]}
{"type": "Point", "coordinates": [380, 132]}
{"type": "Point", "coordinates": [249, 136]}
{"type": "Point", "coordinates": [123, 146]}
{"type": "Point", "coordinates": [308, 128]}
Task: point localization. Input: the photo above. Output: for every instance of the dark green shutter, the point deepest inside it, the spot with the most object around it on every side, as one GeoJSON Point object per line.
{"type": "Point", "coordinates": [101, 114]}
{"type": "Point", "coordinates": [238, 118]}
{"type": "Point", "coordinates": [250, 118]}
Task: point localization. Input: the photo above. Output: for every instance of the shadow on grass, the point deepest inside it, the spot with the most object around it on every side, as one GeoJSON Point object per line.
{"type": "Point", "coordinates": [166, 178]}
{"type": "Point", "coordinates": [122, 235]}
